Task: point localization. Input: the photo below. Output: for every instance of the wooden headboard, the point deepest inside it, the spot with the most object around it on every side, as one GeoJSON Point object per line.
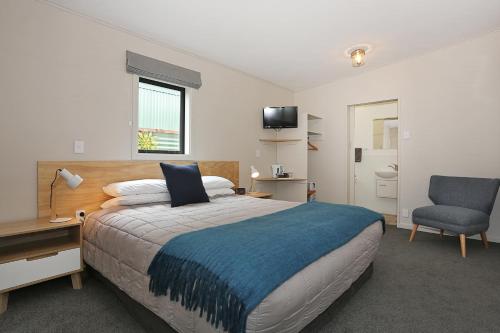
{"type": "Point", "coordinates": [96, 174]}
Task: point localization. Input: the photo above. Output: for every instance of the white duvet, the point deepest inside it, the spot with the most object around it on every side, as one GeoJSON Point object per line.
{"type": "Point", "coordinates": [120, 243]}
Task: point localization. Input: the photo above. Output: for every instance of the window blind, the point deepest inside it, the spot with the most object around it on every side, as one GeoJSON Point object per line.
{"type": "Point", "coordinates": [157, 69]}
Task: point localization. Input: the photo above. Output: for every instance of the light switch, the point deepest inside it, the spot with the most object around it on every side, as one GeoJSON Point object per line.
{"type": "Point", "coordinates": [406, 134]}
{"type": "Point", "coordinates": [79, 147]}
{"type": "Point", "coordinates": [257, 153]}
{"type": "Point", "coordinates": [405, 212]}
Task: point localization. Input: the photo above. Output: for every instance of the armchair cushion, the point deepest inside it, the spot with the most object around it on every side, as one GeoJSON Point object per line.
{"type": "Point", "coordinates": [452, 218]}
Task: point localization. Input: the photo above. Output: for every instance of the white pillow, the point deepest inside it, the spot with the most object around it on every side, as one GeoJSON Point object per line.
{"type": "Point", "coordinates": [142, 199]}
{"type": "Point", "coordinates": [152, 186]}
{"type": "Point", "coordinates": [219, 192]}
{"type": "Point", "coordinates": [213, 182]}
{"type": "Point", "coordinates": [139, 199]}
{"type": "Point", "coordinates": [136, 187]}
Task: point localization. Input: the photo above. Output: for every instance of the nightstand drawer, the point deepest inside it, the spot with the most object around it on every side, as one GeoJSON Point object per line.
{"type": "Point", "coordinates": [20, 272]}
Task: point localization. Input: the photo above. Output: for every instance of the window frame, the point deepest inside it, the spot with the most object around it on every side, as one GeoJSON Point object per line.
{"type": "Point", "coordinates": [182, 118]}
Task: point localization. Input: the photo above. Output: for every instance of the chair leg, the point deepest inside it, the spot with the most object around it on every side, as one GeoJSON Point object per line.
{"type": "Point", "coordinates": [413, 232]}
{"type": "Point", "coordinates": [441, 231]}
{"type": "Point", "coordinates": [484, 239]}
{"type": "Point", "coordinates": [4, 300]}
{"type": "Point", "coordinates": [463, 250]}
{"type": "Point", "coordinates": [76, 280]}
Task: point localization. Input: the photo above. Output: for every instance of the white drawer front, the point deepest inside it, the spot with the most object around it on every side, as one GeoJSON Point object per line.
{"type": "Point", "coordinates": [16, 273]}
{"type": "Point", "coordinates": [387, 189]}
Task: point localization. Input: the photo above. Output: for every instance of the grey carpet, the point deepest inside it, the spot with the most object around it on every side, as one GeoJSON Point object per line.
{"type": "Point", "coordinates": [420, 287]}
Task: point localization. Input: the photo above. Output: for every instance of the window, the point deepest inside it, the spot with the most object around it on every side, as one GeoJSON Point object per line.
{"type": "Point", "coordinates": [161, 118]}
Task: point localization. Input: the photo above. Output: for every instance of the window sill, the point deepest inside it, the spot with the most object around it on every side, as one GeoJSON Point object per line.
{"type": "Point", "coordinates": [161, 157]}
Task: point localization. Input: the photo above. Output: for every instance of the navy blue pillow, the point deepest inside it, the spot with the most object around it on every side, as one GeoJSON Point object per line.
{"type": "Point", "coordinates": [184, 184]}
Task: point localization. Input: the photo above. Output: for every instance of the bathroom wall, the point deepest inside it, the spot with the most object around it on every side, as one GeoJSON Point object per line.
{"type": "Point", "coordinates": [372, 159]}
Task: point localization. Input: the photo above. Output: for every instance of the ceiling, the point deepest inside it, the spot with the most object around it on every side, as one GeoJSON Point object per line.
{"type": "Point", "coordinates": [297, 44]}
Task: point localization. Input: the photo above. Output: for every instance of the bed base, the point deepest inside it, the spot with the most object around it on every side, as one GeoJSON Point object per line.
{"type": "Point", "coordinates": [152, 323]}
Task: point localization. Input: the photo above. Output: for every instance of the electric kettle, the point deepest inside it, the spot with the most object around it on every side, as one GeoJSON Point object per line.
{"type": "Point", "coordinates": [277, 170]}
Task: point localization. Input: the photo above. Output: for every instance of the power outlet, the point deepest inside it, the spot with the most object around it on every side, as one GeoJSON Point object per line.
{"type": "Point", "coordinates": [405, 212]}
{"type": "Point", "coordinates": [81, 215]}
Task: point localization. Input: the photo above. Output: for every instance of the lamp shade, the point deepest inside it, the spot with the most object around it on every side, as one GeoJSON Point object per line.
{"type": "Point", "coordinates": [254, 172]}
{"type": "Point", "coordinates": [73, 181]}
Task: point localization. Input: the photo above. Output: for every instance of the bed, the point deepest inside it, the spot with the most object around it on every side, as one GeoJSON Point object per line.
{"type": "Point", "coordinates": [121, 242]}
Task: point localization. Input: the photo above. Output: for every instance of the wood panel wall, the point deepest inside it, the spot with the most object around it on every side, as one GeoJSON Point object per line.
{"type": "Point", "coordinates": [96, 174]}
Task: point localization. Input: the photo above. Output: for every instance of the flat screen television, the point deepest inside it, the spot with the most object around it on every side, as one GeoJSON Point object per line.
{"type": "Point", "coordinates": [280, 117]}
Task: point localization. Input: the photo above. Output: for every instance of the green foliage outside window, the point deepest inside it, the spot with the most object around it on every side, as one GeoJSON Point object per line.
{"type": "Point", "coordinates": [146, 141]}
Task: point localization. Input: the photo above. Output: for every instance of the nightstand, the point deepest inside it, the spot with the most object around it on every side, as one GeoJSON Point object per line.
{"type": "Point", "coordinates": [261, 195]}
{"type": "Point", "coordinates": [35, 251]}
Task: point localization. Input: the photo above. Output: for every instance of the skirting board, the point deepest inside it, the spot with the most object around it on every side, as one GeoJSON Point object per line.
{"type": "Point", "coordinates": [154, 324]}
{"type": "Point", "coordinates": [409, 226]}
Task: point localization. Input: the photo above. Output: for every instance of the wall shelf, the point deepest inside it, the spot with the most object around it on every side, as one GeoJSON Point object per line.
{"type": "Point", "coordinates": [270, 179]}
{"type": "Point", "coordinates": [279, 140]}
{"type": "Point", "coordinates": [315, 129]}
{"type": "Point", "coordinates": [314, 125]}
{"type": "Point", "coordinates": [312, 117]}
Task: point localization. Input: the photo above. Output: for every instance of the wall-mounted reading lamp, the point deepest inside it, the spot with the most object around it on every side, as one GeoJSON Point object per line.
{"type": "Point", "coordinates": [73, 181]}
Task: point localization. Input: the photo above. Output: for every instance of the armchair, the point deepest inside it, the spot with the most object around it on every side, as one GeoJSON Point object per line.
{"type": "Point", "coordinates": [461, 205]}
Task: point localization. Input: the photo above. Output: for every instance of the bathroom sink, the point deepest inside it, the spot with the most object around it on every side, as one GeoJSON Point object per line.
{"type": "Point", "coordinates": [386, 173]}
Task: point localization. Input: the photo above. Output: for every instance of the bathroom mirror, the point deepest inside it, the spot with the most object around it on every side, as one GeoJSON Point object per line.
{"type": "Point", "coordinates": [385, 133]}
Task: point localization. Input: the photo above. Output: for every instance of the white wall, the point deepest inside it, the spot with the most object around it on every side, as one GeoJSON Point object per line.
{"type": "Point", "coordinates": [449, 101]}
{"type": "Point", "coordinates": [63, 78]}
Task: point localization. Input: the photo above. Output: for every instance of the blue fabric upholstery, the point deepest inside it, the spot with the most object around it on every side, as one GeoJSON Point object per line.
{"type": "Point", "coordinates": [473, 193]}
{"type": "Point", "coordinates": [462, 205]}
{"type": "Point", "coordinates": [184, 184]}
{"type": "Point", "coordinates": [456, 219]}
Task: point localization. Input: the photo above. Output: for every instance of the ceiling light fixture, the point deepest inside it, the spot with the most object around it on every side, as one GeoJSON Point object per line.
{"type": "Point", "coordinates": [358, 57]}
{"type": "Point", "coordinates": [357, 54]}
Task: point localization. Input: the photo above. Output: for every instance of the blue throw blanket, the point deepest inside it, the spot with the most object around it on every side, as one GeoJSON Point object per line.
{"type": "Point", "coordinates": [226, 271]}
